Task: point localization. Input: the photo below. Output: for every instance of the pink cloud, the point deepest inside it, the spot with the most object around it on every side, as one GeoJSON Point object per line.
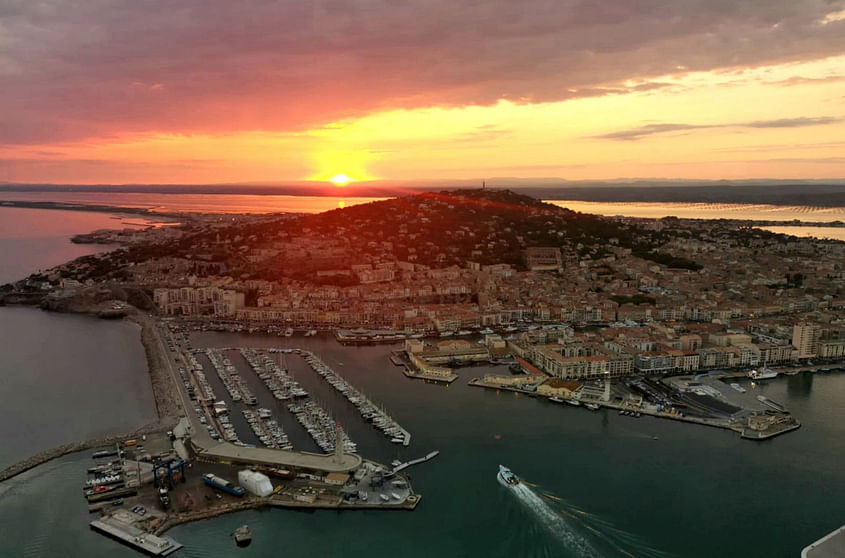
{"type": "Point", "coordinates": [106, 67]}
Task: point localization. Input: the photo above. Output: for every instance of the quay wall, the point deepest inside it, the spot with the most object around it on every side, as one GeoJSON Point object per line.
{"type": "Point", "coordinates": [429, 369]}
{"type": "Point", "coordinates": [715, 423]}
{"type": "Point", "coordinates": [249, 503]}
{"type": "Point", "coordinates": [410, 370]}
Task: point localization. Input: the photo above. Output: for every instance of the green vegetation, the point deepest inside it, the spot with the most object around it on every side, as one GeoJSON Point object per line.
{"type": "Point", "coordinates": [633, 299]}
{"type": "Point", "coordinates": [794, 280]}
{"type": "Point", "coordinates": [662, 258]}
{"type": "Point", "coordinates": [438, 230]}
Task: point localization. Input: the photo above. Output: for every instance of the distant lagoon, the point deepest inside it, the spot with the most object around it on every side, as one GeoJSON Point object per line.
{"type": "Point", "coordinates": [36, 239]}
{"type": "Point", "coordinates": [249, 203]}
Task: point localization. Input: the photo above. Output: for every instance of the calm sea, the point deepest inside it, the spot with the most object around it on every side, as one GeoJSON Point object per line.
{"type": "Point", "coordinates": [36, 239]}
{"type": "Point", "coordinates": [241, 203]}
{"type": "Point", "coordinates": [601, 484]}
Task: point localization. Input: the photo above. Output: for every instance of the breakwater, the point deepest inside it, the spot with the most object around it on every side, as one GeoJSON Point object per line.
{"type": "Point", "coordinates": [73, 447]}
{"type": "Point", "coordinates": [165, 391]}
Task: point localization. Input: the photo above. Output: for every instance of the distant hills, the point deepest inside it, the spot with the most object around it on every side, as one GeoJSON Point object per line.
{"type": "Point", "coordinates": [442, 229]}
{"type": "Point", "coordinates": [436, 229]}
{"type": "Point", "coordinates": [826, 193]}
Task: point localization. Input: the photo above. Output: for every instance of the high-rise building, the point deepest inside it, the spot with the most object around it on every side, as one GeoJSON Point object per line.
{"type": "Point", "coordinates": [805, 338]}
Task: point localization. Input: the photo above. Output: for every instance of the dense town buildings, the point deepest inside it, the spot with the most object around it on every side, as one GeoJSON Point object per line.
{"type": "Point", "coordinates": [603, 297]}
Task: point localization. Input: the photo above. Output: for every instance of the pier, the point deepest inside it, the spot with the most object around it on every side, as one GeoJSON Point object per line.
{"type": "Point", "coordinates": [403, 466]}
{"type": "Point", "coordinates": [134, 537]}
{"type": "Point", "coordinates": [340, 480]}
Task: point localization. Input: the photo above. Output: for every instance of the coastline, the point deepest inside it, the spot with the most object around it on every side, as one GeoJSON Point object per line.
{"type": "Point", "coordinates": [149, 349]}
{"type": "Point", "coordinates": [165, 392]}
{"type": "Point", "coordinates": [220, 533]}
{"type": "Point", "coordinates": [158, 215]}
{"type": "Point", "coordinates": [94, 208]}
{"type": "Point", "coordinates": [169, 409]}
{"type": "Point", "coordinates": [166, 406]}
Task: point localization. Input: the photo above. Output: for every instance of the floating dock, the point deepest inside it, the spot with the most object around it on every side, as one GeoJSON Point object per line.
{"type": "Point", "coordinates": [136, 538]}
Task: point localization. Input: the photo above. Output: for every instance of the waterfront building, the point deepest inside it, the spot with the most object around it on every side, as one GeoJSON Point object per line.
{"type": "Point", "coordinates": [654, 362]}
{"type": "Point", "coordinates": [495, 342]}
{"type": "Point", "coordinates": [834, 348]}
{"type": "Point", "coordinates": [429, 369]}
{"type": "Point", "coordinates": [747, 354]}
{"type": "Point", "coordinates": [773, 354]}
{"type": "Point", "coordinates": [579, 361]}
{"type": "Point", "coordinates": [716, 357]}
{"type": "Point", "coordinates": [805, 338]}
{"type": "Point", "coordinates": [556, 387]}
{"type": "Point", "coordinates": [414, 346]}
{"type": "Point", "coordinates": [198, 301]}
{"type": "Point", "coordinates": [510, 381]}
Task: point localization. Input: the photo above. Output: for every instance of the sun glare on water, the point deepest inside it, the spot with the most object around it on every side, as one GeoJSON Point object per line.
{"type": "Point", "coordinates": [340, 180]}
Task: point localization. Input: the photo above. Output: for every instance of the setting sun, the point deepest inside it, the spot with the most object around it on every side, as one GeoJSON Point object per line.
{"type": "Point", "coordinates": [340, 180]}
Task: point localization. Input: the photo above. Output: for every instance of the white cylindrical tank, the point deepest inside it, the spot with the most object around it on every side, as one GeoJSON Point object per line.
{"type": "Point", "coordinates": [255, 483]}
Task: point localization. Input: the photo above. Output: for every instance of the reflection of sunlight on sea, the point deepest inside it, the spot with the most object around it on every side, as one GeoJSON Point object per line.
{"type": "Point", "coordinates": [834, 233]}
{"type": "Point", "coordinates": [686, 210]}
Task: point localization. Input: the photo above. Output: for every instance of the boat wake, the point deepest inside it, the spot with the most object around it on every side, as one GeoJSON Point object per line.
{"type": "Point", "coordinates": [581, 534]}
{"type": "Point", "coordinates": [608, 539]}
{"type": "Point", "coordinates": [554, 522]}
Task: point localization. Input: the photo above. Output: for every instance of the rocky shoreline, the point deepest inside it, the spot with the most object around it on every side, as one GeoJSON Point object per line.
{"type": "Point", "coordinates": [165, 393]}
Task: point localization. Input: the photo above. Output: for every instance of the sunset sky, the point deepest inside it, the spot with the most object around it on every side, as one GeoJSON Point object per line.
{"type": "Point", "coordinates": [103, 91]}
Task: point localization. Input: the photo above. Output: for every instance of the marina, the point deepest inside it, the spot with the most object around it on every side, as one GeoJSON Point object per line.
{"type": "Point", "coordinates": [292, 496]}
{"type": "Point", "coordinates": [369, 410]}
{"type": "Point", "coordinates": [142, 486]}
{"type": "Point", "coordinates": [326, 433]}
